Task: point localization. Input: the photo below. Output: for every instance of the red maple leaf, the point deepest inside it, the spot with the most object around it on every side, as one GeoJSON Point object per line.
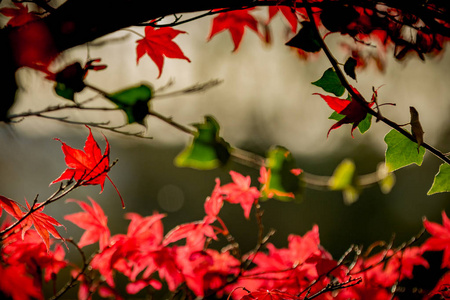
{"type": "Point", "coordinates": [11, 207]}
{"type": "Point", "coordinates": [19, 15]}
{"type": "Point", "coordinates": [235, 22]}
{"type": "Point", "coordinates": [88, 167]}
{"type": "Point", "coordinates": [94, 221]}
{"type": "Point", "coordinates": [239, 191]}
{"type": "Point", "coordinates": [353, 111]}
{"type": "Point", "coordinates": [16, 283]}
{"type": "Point", "coordinates": [288, 13]}
{"type": "Point", "coordinates": [158, 43]}
{"type": "Point", "coordinates": [440, 239]}
{"type": "Point", "coordinates": [44, 225]}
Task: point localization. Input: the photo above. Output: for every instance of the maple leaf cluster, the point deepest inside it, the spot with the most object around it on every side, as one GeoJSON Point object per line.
{"type": "Point", "coordinates": [183, 257]}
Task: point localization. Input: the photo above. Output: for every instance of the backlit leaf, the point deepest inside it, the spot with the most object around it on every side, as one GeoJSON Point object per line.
{"type": "Point", "coordinates": [134, 102]}
{"type": "Point", "coordinates": [330, 83]}
{"type": "Point", "coordinates": [441, 181]}
{"type": "Point", "coordinates": [281, 180]}
{"type": "Point", "coordinates": [343, 179]}
{"type": "Point", "coordinates": [401, 151]}
{"type": "Point", "coordinates": [207, 149]}
{"type": "Point", "coordinates": [343, 175]}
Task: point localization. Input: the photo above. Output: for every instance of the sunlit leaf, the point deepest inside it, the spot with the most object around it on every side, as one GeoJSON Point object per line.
{"type": "Point", "coordinates": [330, 83]}
{"type": "Point", "coordinates": [134, 102]}
{"type": "Point", "coordinates": [401, 151]}
{"type": "Point", "coordinates": [207, 149]}
{"type": "Point", "coordinates": [343, 179]}
{"type": "Point", "coordinates": [441, 181]}
{"type": "Point", "coordinates": [305, 39]}
{"type": "Point", "coordinates": [281, 181]}
{"type": "Point", "coordinates": [343, 175]}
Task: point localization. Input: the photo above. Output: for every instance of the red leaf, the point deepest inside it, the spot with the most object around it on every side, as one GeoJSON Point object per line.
{"type": "Point", "coordinates": [15, 282]}
{"type": "Point", "coordinates": [88, 167]}
{"type": "Point", "coordinates": [11, 207]}
{"type": "Point", "coordinates": [235, 22]}
{"type": "Point", "coordinates": [440, 239]}
{"type": "Point", "coordinates": [288, 13]}
{"type": "Point", "coordinates": [239, 191]}
{"type": "Point", "coordinates": [94, 221]}
{"type": "Point", "coordinates": [43, 224]}
{"type": "Point", "coordinates": [353, 111]}
{"type": "Point", "coordinates": [158, 43]}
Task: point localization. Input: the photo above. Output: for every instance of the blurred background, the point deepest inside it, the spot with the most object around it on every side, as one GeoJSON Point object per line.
{"type": "Point", "coordinates": [265, 99]}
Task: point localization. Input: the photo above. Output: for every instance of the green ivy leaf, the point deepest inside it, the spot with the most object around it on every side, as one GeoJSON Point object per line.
{"type": "Point", "coordinates": [330, 83]}
{"type": "Point", "coordinates": [281, 182]}
{"type": "Point", "coordinates": [305, 39]}
{"type": "Point", "coordinates": [134, 102]}
{"type": "Point", "coordinates": [349, 67]}
{"type": "Point", "coordinates": [441, 181]}
{"type": "Point", "coordinates": [343, 179]}
{"type": "Point", "coordinates": [207, 150]}
{"type": "Point", "coordinates": [401, 151]}
{"type": "Point", "coordinates": [63, 91]}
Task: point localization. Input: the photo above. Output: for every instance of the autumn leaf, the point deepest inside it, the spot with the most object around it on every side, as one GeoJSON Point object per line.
{"type": "Point", "coordinates": [88, 167]}
{"type": "Point", "coordinates": [93, 221]}
{"type": "Point", "coordinates": [158, 43]}
{"type": "Point", "coordinates": [416, 127]}
{"type": "Point", "coordinates": [11, 207]}
{"type": "Point", "coordinates": [239, 191]}
{"type": "Point", "coordinates": [288, 13]}
{"type": "Point", "coordinates": [353, 111]}
{"type": "Point", "coordinates": [235, 22]}
{"type": "Point", "coordinates": [440, 238]}
{"type": "Point", "coordinates": [44, 225]}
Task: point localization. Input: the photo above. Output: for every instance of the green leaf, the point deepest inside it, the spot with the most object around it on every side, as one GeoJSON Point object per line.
{"type": "Point", "coordinates": [207, 149]}
{"type": "Point", "coordinates": [281, 183]}
{"type": "Point", "coordinates": [387, 181]}
{"type": "Point", "coordinates": [134, 102]}
{"type": "Point", "coordinates": [364, 125]}
{"type": "Point", "coordinates": [330, 83]}
{"type": "Point", "coordinates": [63, 91]}
{"type": "Point", "coordinates": [401, 151]}
{"type": "Point", "coordinates": [343, 175]}
{"type": "Point", "coordinates": [441, 181]}
{"type": "Point", "coordinates": [349, 67]}
{"type": "Point", "coordinates": [305, 39]}
{"type": "Point", "coordinates": [343, 179]}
